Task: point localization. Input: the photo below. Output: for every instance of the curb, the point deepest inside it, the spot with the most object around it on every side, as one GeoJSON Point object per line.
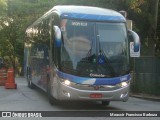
{"type": "Point", "coordinates": [146, 97]}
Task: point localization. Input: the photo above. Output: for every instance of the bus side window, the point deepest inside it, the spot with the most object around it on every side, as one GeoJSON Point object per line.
{"type": "Point", "coordinates": [51, 38]}
{"type": "Point", "coordinates": [55, 51]}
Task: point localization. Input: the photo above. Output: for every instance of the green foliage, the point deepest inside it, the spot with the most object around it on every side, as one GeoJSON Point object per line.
{"type": "Point", "coordinates": [3, 7]}
{"type": "Point", "coordinates": [20, 14]}
{"type": "Point", "coordinates": [97, 3]}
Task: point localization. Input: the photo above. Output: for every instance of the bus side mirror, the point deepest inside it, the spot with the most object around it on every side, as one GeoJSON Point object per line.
{"type": "Point", "coordinates": [58, 39]}
{"type": "Point", "coordinates": [134, 44]}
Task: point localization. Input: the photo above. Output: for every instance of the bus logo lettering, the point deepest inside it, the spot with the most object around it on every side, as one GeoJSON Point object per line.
{"type": "Point", "coordinates": [79, 24]}
{"type": "Point", "coordinates": [96, 75]}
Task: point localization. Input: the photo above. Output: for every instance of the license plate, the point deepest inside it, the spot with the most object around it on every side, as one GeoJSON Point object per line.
{"type": "Point", "coordinates": [95, 95]}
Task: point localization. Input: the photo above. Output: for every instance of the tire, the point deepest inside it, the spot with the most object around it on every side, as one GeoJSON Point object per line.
{"type": "Point", "coordinates": [51, 99]}
{"type": "Point", "coordinates": [105, 103]}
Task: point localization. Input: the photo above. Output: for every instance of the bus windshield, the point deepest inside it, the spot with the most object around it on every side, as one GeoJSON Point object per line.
{"type": "Point", "coordinates": [94, 49]}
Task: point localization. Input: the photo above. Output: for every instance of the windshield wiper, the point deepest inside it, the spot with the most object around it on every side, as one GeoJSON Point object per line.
{"type": "Point", "coordinates": [108, 63]}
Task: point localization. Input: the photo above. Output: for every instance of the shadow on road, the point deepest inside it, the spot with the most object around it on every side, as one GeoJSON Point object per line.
{"type": "Point", "coordinates": [84, 105]}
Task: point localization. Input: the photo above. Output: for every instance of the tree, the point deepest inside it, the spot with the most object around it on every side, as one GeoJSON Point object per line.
{"type": "Point", "coordinates": [153, 11]}
{"type": "Point", "coordinates": [144, 14]}
{"type": "Point", "coordinates": [97, 3]}
{"type": "Point", "coordinates": [20, 14]}
{"type": "Point", "coordinates": [3, 7]}
{"type": "Point", "coordinates": [149, 18]}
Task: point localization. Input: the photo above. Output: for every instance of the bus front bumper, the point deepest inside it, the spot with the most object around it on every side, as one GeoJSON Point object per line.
{"type": "Point", "coordinates": [71, 93]}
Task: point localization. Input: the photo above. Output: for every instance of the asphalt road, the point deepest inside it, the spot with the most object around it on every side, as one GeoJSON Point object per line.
{"type": "Point", "coordinates": [25, 99]}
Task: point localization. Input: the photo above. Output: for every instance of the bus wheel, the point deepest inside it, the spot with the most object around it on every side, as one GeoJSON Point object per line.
{"type": "Point", "coordinates": [52, 100]}
{"type": "Point", "coordinates": [105, 103]}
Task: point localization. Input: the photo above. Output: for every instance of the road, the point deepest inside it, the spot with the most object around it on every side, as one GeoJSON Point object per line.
{"type": "Point", "coordinates": [25, 99]}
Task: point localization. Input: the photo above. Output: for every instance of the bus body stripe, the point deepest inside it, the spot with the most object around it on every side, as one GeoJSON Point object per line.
{"type": "Point", "coordinates": [94, 81]}
{"type": "Point", "coordinates": [80, 16]}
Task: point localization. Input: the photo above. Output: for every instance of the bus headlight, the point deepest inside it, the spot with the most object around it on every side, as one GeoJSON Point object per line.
{"type": "Point", "coordinates": [67, 82]}
{"type": "Point", "coordinates": [124, 84]}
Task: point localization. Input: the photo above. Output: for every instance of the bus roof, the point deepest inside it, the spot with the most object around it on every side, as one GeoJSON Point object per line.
{"type": "Point", "coordinates": [88, 13]}
{"type": "Point", "coordinates": [83, 13]}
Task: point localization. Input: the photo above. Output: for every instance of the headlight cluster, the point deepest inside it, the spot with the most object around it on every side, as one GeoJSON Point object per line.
{"type": "Point", "coordinates": [69, 83]}
{"type": "Point", "coordinates": [65, 81]}
{"type": "Point", "coordinates": [124, 84]}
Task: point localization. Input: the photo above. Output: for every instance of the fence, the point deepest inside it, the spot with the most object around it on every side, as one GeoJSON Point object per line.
{"type": "Point", "coordinates": [146, 76]}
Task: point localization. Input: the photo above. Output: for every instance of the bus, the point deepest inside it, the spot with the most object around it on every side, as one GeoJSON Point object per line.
{"type": "Point", "coordinates": [80, 53]}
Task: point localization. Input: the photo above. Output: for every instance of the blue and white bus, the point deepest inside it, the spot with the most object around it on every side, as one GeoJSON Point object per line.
{"type": "Point", "coordinates": [80, 53]}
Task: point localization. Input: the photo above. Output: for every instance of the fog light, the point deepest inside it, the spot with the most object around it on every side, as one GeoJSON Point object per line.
{"type": "Point", "coordinates": [67, 82]}
{"type": "Point", "coordinates": [123, 84]}
{"type": "Point", "coordinates": [66, 93]}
